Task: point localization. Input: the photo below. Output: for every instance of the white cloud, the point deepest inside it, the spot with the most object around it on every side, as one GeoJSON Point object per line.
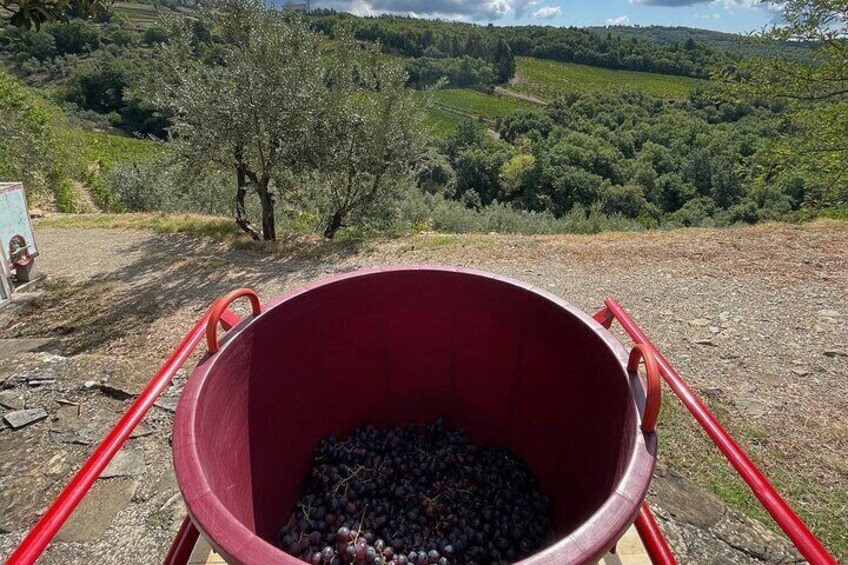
{"type": "Point", "coordinates": [547, 13]}
{"type": "Point", "coordinates": [619, 21]}
{"type": "Point", "coordinates": [468, 10]}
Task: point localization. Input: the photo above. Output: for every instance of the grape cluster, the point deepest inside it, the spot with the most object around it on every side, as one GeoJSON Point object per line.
{"type": "Point", "coordinates": [407, 496]}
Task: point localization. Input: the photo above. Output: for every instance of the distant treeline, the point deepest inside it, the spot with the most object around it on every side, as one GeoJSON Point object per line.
{"type": "Point", "coordinates": [733, 43]}
{"type": "Point", "coordinates": [434, 41]}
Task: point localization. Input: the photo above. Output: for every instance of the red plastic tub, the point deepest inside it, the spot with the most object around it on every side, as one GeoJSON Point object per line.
{"type": "Point", "coordinates": [515, 366]}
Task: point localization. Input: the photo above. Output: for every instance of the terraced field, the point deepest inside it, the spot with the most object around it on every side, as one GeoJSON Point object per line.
{"type": "Point", "coordinates": [550, 79]}
{"type": "Point", "coordinates": [477, 103]}
{"type": "Point", "coordinates": [441, 123]}
{"type": "Point", "coordinates": [107, 149]}
{"type": "Point", "coordinates": [141, 14]}
{"type": "Point", "coordinates": [145, 15]}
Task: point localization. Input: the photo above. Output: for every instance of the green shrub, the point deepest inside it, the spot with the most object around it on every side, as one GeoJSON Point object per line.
{"type": "Point", "coordinates": [158, 184]}
{"type": "Point", "coordinates": [155, 34]}
{"type": "Point", "coordinates": [75, 36]}
{"type": "Point", "coordinates": [428, 211]}
{"type": "Point", "coordinates": [33, 148]}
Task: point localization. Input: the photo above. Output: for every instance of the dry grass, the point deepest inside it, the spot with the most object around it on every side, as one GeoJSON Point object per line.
{"type": "Point", "coordinates": [214, 227]}
{"type": "Point", "coordinates": [685, 447]}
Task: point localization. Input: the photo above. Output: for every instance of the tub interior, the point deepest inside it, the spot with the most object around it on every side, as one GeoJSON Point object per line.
{"type": "Point", "coordinates": [510, 366]}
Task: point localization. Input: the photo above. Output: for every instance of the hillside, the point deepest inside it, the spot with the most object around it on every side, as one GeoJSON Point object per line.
{"type": "Point", "coordinates": [679, 35]}
{"type": "Point", "coordinates": [550, 79]}
{"type": "Point", "coordinates": [513, 143]}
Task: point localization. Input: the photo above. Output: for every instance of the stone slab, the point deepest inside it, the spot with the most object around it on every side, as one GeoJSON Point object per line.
{"type": "Point", "coordinates": [22, 418]}
{"type": "Point", "coordinates": [11, 400]}
{"type": "Point", "coordinates": [126, 463]}
{"type": "Point", "coordinates": [12, 347]}
{"type": "Point", "coordinates": [94, 515]}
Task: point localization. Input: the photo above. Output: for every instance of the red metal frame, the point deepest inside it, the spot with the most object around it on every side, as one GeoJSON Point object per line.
{"type": "Point", "coordinates": [794, 528]}
{"type": "Point", "coordinates": [652, 538]}
{"type": "Point", "coordinates": [43, 532]}
{"type": "Point", "coordinates": [183, 544]}
{"type": "Point", "coordinates": [48, 526]}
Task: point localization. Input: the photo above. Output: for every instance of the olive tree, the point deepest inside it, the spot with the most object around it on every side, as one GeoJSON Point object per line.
{"type": "Point", "coordinates": [372, 139]}
{"type": "Point", "coordinates": [251, 98]}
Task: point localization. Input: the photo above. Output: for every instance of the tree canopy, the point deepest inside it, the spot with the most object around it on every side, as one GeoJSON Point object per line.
{"type": "Point", "coordinates": [815, 92]}
{"type": "Point", "coordinates": [264, 96]}
{"type": "Point", "coordinates": [33, 13]}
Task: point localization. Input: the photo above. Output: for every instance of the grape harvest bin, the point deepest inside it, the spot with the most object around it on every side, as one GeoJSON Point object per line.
{"type": "Point", "coordinates": [513, 365]}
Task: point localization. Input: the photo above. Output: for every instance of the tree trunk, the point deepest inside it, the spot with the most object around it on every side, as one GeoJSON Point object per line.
{"type": "Point", "coordinates": [241, 189]}
{"type": "Point", "coordinates": [333, 225]}
{"type": "Point", "coordinates": [269, 229]}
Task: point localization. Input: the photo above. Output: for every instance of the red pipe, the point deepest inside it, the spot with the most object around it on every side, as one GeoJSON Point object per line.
{"type": "Point", "coordinates": [652, 538]}
{"type": "Point", "coordinates": [40, 536]}
{"type": "Point", "coordinates": [809, 546]}
{"type": "Point", "coordinates": [183, 544]}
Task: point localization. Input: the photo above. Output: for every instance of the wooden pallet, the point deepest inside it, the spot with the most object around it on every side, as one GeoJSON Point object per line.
{"type": "Point", "coordinates": [630, 551]}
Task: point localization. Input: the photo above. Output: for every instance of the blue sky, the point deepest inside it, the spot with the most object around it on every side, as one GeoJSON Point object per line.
{"type": "Point", "coordinates": [723, 15]}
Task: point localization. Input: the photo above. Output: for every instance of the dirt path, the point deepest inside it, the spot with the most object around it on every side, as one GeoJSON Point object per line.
{"type": "Point", "coordinates": [755, 318]}
{"type": "Point", "coordinates": [506, 93]}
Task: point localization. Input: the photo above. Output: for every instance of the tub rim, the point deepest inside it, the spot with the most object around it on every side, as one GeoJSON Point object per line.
{"type": "Point", "coordinates": [237, 544]}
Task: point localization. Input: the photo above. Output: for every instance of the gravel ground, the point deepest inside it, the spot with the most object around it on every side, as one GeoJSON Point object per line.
{"type": "Point", "coordinates": [755, 318]}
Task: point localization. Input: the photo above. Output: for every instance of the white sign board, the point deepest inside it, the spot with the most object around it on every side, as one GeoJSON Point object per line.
{"type": "Point", "coordinates": [14, 217]}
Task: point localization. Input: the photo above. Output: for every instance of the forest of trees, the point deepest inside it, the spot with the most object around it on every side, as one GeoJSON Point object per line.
{"type": "Point", "coordinates": [89, 68]}
{"type": "Point", "coordinates": [437, 40]}
{"type": "Point", "coordinates": [628, 154]}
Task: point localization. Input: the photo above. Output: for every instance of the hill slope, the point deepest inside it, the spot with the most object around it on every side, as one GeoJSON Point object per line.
{"type": "Point", "coordinates": [679, 35]}
{"type": "Point", "coordinates": [550, 79]}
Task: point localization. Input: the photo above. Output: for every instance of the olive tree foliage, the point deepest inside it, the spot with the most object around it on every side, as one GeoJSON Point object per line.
{"type": "Point", "coordinates": [815, 91]}
{"type": "Point", "coordinates": [254, 106]}
{"type": "Point", "coordinates": [291, 114]}
{"type": "Point", "coordinates": [373, 136]}
{"type": "Point", "coordinates": [32, 13]}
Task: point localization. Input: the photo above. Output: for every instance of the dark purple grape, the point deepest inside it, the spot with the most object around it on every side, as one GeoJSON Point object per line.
{"type": "Point", "coordinates": [343, 534]}
{"type": "Point", "coordinates": [427, 493]}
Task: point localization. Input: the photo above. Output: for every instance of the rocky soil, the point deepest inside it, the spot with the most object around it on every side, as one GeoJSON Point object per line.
{"type": "Point", "coordinates": [755, 318]}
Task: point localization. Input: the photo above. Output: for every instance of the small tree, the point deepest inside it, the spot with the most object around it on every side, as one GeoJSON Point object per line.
{"type": "Point", "coordinates": [814, 89]}
{"type": "Point", "coordinates": [256, 109]}
{"type": "Point", "coordinates": [373, 135]}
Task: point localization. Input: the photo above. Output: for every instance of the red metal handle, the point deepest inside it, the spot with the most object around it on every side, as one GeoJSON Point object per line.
{"type": "Point", "coordinates": [797, 531]}
{"type": "Point", "coordinates": [653, 394]}
{"type": "Point", "coordinates": [220, 307]}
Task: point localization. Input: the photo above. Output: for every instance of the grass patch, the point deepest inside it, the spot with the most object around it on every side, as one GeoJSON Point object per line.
{"type": "Point", "coordinates": [84, 315]}
{"type": "Point", "coordinates": [685, 447]}
{"type": "Point", "coordinates": [551, 79]}
{"type": "Point", "coordinates": [440, 124]}
{"type": "Point", "coordinates": [477, 103]}
{"type": "Point", "coordinates": [107, 150]}
{"type": "Point", "coordinates": [297, 245]}
{"type": "Point", "coordinates": [213, 227]}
